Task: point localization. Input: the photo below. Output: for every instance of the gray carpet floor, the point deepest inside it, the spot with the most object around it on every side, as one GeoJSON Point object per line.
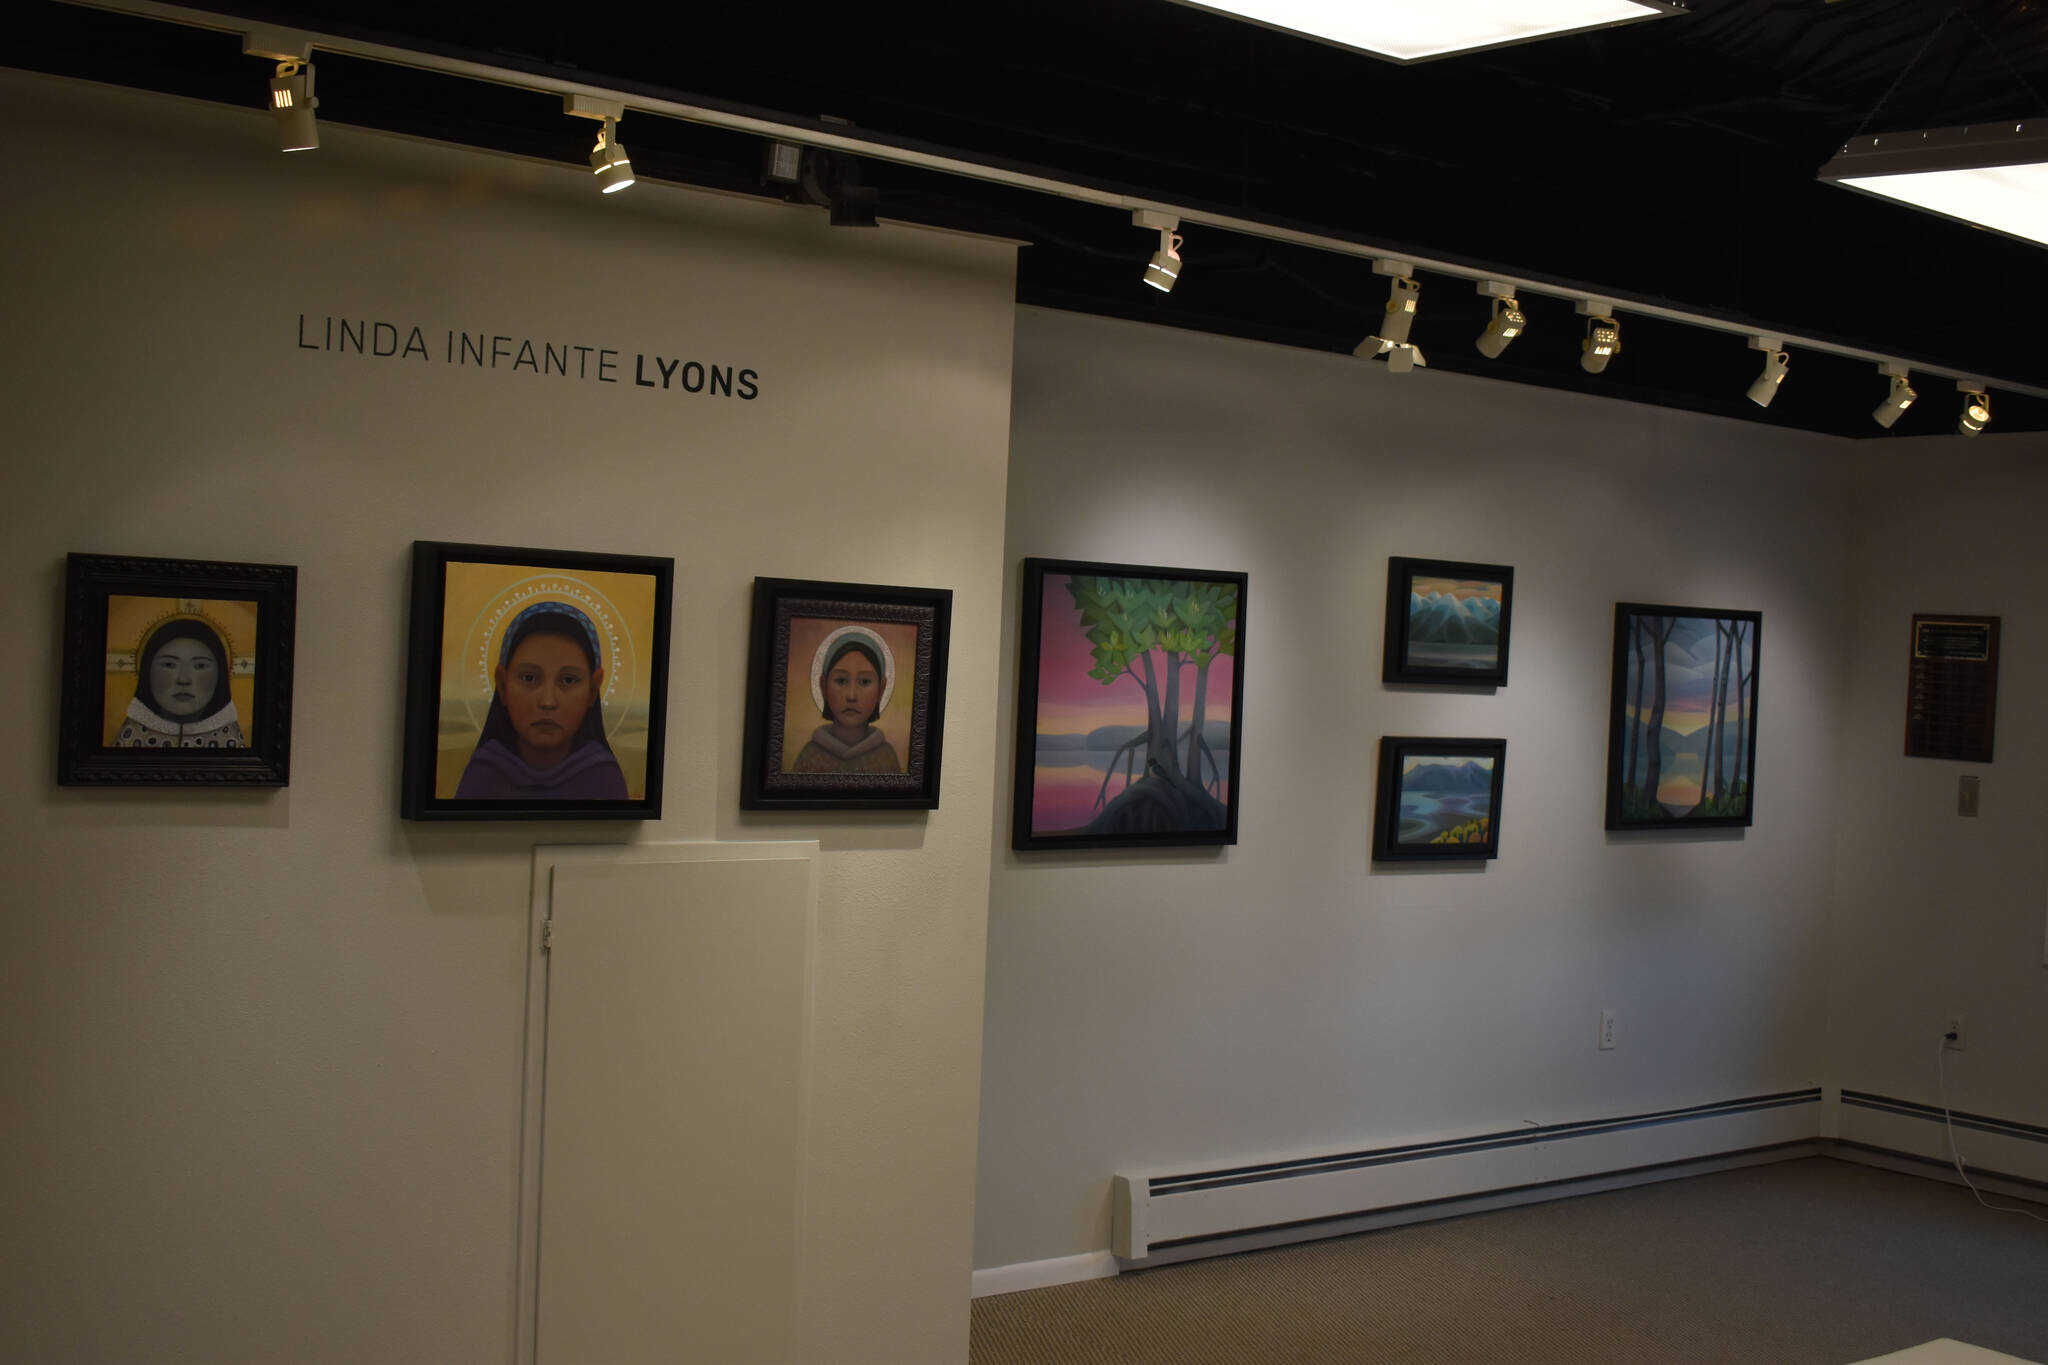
{"type": "Point", "coordinates": [1808, 1262]}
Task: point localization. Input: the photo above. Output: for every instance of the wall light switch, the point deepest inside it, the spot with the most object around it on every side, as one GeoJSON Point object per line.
{"type": "Point", "coordinates": [1966, 796]}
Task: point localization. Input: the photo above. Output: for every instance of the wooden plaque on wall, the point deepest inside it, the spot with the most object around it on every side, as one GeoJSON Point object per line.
{"type": "Point", "coordinates": [1952, 687]}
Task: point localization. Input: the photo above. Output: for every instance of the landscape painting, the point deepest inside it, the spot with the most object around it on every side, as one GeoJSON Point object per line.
{"type": "Point", "coordinates": [1682, 741]}
{"type": "Point", "coordinates": [1438, 798]}
{"type": "Point", "coordinates": [1447, 621]}
{"type": "Point", "coordinates": [1130, 694]}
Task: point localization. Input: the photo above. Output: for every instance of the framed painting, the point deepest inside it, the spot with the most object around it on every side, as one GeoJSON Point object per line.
{"type": "Point", "coordinates": [176, 671]}
{"type": "Point", "coordinates": [846, 696]}
{"type": "Point", "coordinates": [1438, 798]}
{"type": "Point", "coordinates": [1681, 742]}
{"type": "Point", "coordinates": [1447, 621]}
{"type": "Point", "coordinates": [536, 684]}
{"type": "Point", "coordinates": [1130, 694]}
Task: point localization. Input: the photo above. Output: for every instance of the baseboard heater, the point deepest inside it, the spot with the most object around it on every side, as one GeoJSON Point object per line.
{"type": "Point", "coordinates": [1187, 1208]}
{"type": "Point", "coordinates": [1896, 1130]}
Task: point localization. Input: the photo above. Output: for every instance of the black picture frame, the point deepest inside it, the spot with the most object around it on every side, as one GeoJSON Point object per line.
{"type": "Point", "coordinates": [629, 599]}
{"type": "Point", "coordinates": [787, 613]}
{"type": "Point", "coordinates": [1214, 602]}
{"type": "Point", "coordinates": [189, 599]}
{"type": "Point", "coordinates": [1442, 837]}
{"type": "Point", "coordinates": [1415, 654]}
{"type": "Point", "coordinates": [1723, 797]}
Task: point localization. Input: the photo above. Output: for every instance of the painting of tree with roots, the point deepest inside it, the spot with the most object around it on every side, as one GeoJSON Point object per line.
{"type": "Point", "coordinates": [1130, 698]}
{"type": "Point", "coordinates": [1682, 741]}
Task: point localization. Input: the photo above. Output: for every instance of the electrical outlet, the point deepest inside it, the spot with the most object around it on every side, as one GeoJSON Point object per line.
{"type": "Point", "coordinates": [1606, 1029]}
{"type": "Point", "coordinates": [1952, 1036]}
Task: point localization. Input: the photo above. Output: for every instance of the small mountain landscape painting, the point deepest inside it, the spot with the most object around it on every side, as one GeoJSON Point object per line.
{"type": "Point", "coordinates": [1447, 621]}
{"type": "Point", "coordinates": [1681, 747]}
{"type": "Point", "coordinates": [1438, 798]}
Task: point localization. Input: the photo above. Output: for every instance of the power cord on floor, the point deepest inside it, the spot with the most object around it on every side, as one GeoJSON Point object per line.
{"type": "Point", "coordinates": [1949, 1124]}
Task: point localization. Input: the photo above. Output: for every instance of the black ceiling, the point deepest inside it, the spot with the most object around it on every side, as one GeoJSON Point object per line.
{"type": "Point", "coordinates": [1670, 160]}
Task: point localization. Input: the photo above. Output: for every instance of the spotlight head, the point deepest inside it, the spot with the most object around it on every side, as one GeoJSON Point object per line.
{"type": "Point", "coordinates": [1164, 268]}
{"type": "Point", "coordinates": [1403, 357]}
{"type": "Point", "coordinates": [1506, 324]}
{"type": "Point", "coordinates": [1976, 410]}
{"type": "Point", "coordinates": [1898, 397]}
{"type": "Point", "coordinates": [1602, 343]}
{"type": "Point", "coordinates": [1401, 296]}
{"type": "Point", "coordinates": [1765, 386]}
{"type": "Point", "coordinates": [292, 102]}
{"type": "Point", "coordinates": [608, 161]}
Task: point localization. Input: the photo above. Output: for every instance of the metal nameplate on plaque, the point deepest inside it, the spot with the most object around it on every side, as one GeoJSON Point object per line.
{"type": "Point", "coordinates": [1953, 639]}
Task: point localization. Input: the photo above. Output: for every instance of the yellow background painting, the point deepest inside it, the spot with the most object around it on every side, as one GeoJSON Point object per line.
{"type": "Point", "coordinates": [800, 716]}
{"type": "Point", "coordinates": [480, 600]}
{"type": "Point", "coordinates": [129, 622]}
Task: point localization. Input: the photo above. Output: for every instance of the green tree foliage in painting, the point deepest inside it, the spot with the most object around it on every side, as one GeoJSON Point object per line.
{"type": "Point", "coordinates": [1158, 632]}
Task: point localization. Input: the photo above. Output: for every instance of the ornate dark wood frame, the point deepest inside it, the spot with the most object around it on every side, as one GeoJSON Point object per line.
{"type": "Point", "coordinates": [84, 761]}
{"type": "Point", "coordinates": [763, 784]}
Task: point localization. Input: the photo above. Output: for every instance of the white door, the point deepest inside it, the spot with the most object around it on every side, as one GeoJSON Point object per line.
{"type": "Point", "coordinates": [670, 1160]}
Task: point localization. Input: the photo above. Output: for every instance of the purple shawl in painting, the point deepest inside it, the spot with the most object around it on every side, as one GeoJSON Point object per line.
{"type": "Point", "coordinates": [495, 773]}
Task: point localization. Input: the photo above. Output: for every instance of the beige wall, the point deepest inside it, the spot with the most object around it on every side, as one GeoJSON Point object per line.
{"type": "Point", "coordinates": [1286, 995]}
{"type": "Point", "coordinates": [263, 1061]}
{"type": "Point", "coordinates": [1938, 914]}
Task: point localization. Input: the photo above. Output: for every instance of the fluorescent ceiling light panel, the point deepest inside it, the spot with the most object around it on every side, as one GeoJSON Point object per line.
{"type": "Point", "coordinates": [1416, 30]}
{"type": "Point", "coordinates": [1995, 175]}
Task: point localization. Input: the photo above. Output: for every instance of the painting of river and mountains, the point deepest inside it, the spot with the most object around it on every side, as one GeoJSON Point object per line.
{"type": "Point", "coordinates": [1447, 621]}
{"type": "Point", "coordinates": [1682, 743]}
{"type": "Point", "coordinates": [1129, 703]}
{"type": "Point", "coordinates": [1438, 798]}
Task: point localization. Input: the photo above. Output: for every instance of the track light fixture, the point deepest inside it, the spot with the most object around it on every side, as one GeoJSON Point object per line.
{"type": "Point", "coordinates": [1976, 407]}
{"type": "Point", "coordinates": [1603, 335]}
{"type": "Point", "coordinates": [291, 99]}
{"type": "Point", "coordinates": [1391, 340]}
{"type": "Point", "coordinates": [1776, 361]}
{"type": "Point", "coordinates": [291, 88]}
{"type": "Point", "coordinates": [1898, 397]}
{"type": "Point", "coordinates": [1164, 267]}
{"type": "Point", "coordinates": [608, 160]}
{"type": "Point", "coordinates": [1507, 321]}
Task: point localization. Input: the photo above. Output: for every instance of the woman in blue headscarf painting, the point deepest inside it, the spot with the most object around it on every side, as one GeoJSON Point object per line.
{"type": "Point", "coordinates": [544, 737]}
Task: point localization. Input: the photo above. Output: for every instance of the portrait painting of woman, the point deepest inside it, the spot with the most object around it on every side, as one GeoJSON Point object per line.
{"type": "Point", "coordinates": [845, 695]}
{"type": "Point", "coordinates": [181, 700]}
{"type": "Point", "coordinates": [176, 672]}
{"type": "Point", "coordinates": [536, 684]}
{"type": "Point", "coordinates": [852, 677]}
{"type": "Point", "coordinates": [545, 732]}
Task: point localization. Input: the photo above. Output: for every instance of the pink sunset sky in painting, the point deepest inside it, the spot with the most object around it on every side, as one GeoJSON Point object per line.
{"type": "Point", "coordinates": [1072, 703]}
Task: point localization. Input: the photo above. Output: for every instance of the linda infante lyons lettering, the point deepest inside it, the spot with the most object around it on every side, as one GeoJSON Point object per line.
{"type": "Point", "coordinates": [522, 355]}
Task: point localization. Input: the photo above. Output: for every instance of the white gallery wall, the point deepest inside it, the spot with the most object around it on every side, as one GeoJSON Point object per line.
{"type": "Point", "coordinates": [1286, 996]}
{"type": "Point", "coordinates": [1941, 914]}
{"type": "Point", "coordinates": [263, 1058]}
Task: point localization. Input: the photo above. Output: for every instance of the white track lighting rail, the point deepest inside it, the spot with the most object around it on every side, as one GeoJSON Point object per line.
{"type": "Point", "coordinates": [878, 150]}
